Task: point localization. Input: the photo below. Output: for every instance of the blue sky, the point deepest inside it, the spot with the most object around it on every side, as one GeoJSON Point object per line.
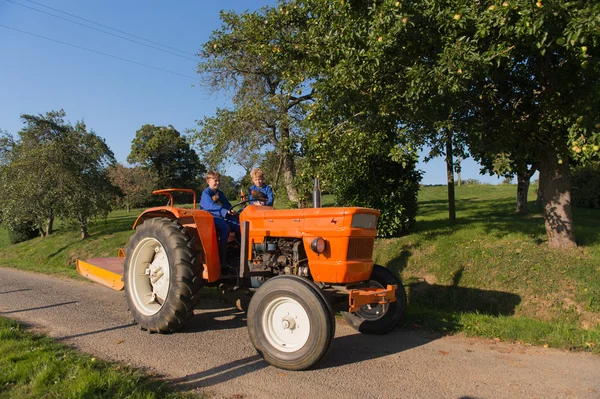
{"type": "Point", "coordinates": [115, 97]}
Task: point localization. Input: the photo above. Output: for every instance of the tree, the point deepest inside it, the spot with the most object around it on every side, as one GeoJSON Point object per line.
{"type": "Point", "coordinates": [253, 56]}
{"type": "Point", "coordinates": [135, 184]}
{"type": "Point", "coordinates": [165, 152]}
{"type": "Point", "coordinates": [54, 170]}
{"type": "Point", "coordinates": [475, 68]}
{"type": "Point", "coordinates": [87, 191]}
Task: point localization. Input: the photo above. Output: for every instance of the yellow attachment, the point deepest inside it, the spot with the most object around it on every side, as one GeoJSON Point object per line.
{"type": "Point", "coordinates": [105, 271]}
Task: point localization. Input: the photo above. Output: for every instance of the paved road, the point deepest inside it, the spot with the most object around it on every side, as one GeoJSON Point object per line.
{"type": "Point", "coordinates": [213, 353]}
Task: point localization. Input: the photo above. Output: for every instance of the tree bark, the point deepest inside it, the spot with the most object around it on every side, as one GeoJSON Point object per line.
{"type": "Point", "coordinates": [450, 174]}
{"type": "Point", "coordinates": [556, 196]}
{"type": "Point", "coordinates": [523, 182]}
{"type": "Point", "coordinates": [83, 226]}
{"type": "Point", "coordinates": [50, 224]}
{"type": "Point", "coordinates": [289, 173]}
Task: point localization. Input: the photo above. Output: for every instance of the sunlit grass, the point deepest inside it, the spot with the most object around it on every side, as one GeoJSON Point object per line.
{"type": "Point", "coordinates": [33, 366]}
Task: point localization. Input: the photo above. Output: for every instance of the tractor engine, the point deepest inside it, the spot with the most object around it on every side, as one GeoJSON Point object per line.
{"type": "Point", "coordinates": [277, 256]}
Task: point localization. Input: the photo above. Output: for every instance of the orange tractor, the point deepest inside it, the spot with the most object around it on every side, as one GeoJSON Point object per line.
{"type": "Point", "coordinates": [298, 265]}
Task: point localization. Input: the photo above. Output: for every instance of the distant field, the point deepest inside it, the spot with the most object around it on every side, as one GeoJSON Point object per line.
{"type": "Point", "coordinates": [490, 275]}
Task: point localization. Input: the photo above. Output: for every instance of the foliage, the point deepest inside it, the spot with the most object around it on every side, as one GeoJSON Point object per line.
{"type": "Point", "coordinates": [168, 155]}
{"type": "Point", "coordinates": [250, 56]}
{"type": "Point", "coordinates": [22, 232]}
{"type": "Point", "coordinates": [586, 186]}
{"type": "Point", "coordinates": [493, 74]}
{"type": "Point", "coordinates": [54, 170]}
{"type": "Point", "coordinates": [135, 184]}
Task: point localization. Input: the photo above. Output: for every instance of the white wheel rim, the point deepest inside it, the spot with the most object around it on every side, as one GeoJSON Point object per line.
{"type": "Point", "coordinates": [373, 312]}
{"type": "Point", "coordinates": [286, 324]}
{"type": "Point", "coordinates": [149, 274]}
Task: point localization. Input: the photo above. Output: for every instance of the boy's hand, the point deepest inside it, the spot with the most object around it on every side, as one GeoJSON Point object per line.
{"type": "Point", "coordinates": [231, 212]}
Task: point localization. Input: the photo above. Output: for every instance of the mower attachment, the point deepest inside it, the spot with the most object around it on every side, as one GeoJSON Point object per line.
{"type": "Point", "coordinates": [105, 271]}
{"type": "Point", "coordinates": [370, 296]}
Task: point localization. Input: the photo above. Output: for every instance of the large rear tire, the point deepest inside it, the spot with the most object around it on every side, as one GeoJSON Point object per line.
{"type": "Point", "coordinates": [160, 277]}
{"type": "Point", "coordinates": [379, 319]}
{"type": "Point", "coordinates": [290, 322]}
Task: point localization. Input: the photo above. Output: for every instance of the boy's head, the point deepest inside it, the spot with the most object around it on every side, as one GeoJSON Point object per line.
{"type": "Point", "coordinates": [258, 177]}
{"type": "Point", "coordinates": [213, 179]}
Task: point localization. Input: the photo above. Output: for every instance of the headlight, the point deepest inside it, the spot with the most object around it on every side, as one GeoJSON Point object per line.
{"type": "Point", "coordinates": [364, 221]}
{"type": "Point", "coordinates": [318, 245]}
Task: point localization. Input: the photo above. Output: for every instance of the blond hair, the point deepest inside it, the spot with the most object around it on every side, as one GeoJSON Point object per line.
{"type": "Point", "coordinates": [256, 172]}
{"type": "Point", "coordinates": [212, 174]}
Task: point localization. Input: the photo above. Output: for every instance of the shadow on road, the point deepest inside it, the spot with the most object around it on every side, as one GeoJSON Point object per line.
{"type": "Point", "coordinates": [213, 316]}
{"type": "Point", "coordinates": [39, 308]}
{"type": "Point", "coordinates": [20, 290]}
{"type": "Point", "coordinates": [367, 347]}
{"type": "Point", "coordinates": [220, 374]}
{"type": "Point", "coordinates": [95, 332]}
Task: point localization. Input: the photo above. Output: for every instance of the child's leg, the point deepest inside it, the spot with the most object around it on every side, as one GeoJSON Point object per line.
{"type": "Point", "coordinates": [234, 224]}
{"type": "Point", "coordinates": [223, 230]}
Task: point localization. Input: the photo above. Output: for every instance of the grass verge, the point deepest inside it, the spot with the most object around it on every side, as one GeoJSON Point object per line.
{"type": "Point", "coordinates": [34, 366]}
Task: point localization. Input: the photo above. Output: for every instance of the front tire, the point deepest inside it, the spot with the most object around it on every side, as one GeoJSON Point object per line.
{"type": "Point", "coordinates": [160, 277]}
{"type": "Point", "coordinates": [290, 322]}
{"type": "Point", "coordinates": [379, 319]}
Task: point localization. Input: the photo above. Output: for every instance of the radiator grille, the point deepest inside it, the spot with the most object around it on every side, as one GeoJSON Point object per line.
{"type": "Point", "coordinates": [360, 248]}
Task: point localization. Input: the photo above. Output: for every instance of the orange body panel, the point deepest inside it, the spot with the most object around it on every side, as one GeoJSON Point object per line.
{"type": "Point", "coordinates": [341, 262]}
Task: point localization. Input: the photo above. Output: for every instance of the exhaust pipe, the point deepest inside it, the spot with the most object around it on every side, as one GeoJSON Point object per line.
{"type": "Point", "coordinates": [317, 194]}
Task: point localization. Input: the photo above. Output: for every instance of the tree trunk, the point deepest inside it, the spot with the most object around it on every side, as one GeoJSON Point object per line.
{"type": "Point", "coordinates": [450, 174]}
{"type": "Point", "coordinates": [538, 200]}
{"type": "Point", "coordinates": [458, 160]}
{"type": "Point", "coordinates": [289, 173]}
{"type": "Point", "coordinates": [128, 207]}
{"type": "Point", "coordinates": [83, 226]}
{"type": "Point", "coordinates": [556, 195]}
{"type": "Point", "coordinates": [50, 224]}
{"type": "Point", "coordinates": [523, 181]}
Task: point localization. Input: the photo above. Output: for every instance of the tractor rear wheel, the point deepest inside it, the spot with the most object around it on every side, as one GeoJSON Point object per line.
{"type": "Point", "coordinates": [160, 277]}
{"type": "Point", "coordinates": [290, 322]}
{"type": "Point", "coordinates": [379, 319]}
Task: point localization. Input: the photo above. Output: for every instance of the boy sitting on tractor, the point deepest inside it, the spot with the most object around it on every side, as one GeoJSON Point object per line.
{"type": "Point", "coordinates": [215, 202]}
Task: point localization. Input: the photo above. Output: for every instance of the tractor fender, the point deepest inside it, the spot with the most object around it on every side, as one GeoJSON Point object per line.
{"type": "Point", "coordinates": [199, 223]}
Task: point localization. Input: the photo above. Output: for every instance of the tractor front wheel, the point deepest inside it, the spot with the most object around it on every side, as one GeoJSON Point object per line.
{"type": "Point", "coordinates": [290, 322]}
{"type": "Point", "coordinates": [376, 318]}
{"type": "Point", "coordinates": [160, 277]}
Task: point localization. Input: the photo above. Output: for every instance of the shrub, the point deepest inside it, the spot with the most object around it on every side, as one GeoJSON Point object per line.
{"type": "Point", "coordinates": [382, 184]}
{"type": "Point", "coordinates": [585, 187]}
{"type": "Point", "coordinates": [22, 232]}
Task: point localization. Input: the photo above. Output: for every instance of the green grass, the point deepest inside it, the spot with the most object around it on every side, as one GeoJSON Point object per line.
{"type": "Point", "coordinates": [33, 366]}
{"type": "Point", "coordinates": [57, 253]}
{"type": "Point", "coordinates": [493, 275]}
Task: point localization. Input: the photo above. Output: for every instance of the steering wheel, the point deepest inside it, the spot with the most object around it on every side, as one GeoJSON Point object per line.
{"type": "Point", "coordinates": [248, 201]}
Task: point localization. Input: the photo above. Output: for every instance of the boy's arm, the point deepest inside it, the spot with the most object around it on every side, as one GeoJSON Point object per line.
{"type": "Point", "coordinates": [224, 201]}
{"type": "Point", "coordinates": [270, 197]}
{"type": "Point", "coordinates": [208, 204]}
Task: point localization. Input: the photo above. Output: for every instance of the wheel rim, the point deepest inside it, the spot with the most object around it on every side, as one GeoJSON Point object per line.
{"type": "Point", "coordinates": [286, 324]}
{"type": "Point", "coordinates": [149, 274]}
{"type": "Point", "coordinates": [373, 312]}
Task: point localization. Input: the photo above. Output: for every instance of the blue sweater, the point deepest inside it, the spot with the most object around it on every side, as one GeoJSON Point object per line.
{"type": "Point", "coordinates": [266, 190]}
{"type": "Point", "coordinates": [218, 208]}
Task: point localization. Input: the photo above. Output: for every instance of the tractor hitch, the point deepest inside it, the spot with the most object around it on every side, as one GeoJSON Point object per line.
{"type": "Point", "coordinates": [370, 296]}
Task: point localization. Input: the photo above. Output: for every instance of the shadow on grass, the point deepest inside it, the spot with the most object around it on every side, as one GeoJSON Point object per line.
{"type": "Point", "coordinates": [498, 217]}
{"type": "Point", "coordinates": [114, 225]}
